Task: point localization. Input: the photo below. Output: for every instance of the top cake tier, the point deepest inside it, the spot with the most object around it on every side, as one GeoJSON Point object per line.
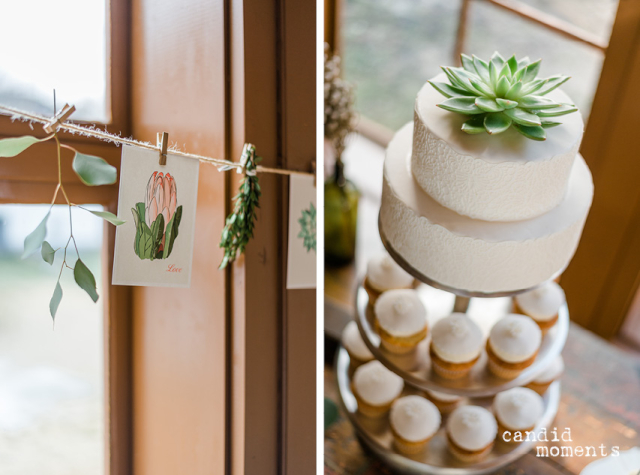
{"type": "Point", "coordinates": [504, 177]}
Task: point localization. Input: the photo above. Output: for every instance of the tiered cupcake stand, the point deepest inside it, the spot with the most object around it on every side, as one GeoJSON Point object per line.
{"type": "Point", "coordinates": [477, 388]}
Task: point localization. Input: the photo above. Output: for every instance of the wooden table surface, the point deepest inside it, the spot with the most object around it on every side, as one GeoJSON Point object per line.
{"type": "Point", "coordinates": [600, 400]}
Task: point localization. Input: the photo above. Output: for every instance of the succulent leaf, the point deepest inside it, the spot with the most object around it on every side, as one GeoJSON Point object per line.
{"type": "Point", "coordinates": [496, 123]}
{"type": "Point", "coordinates": [467, 63]}
{"type": "Point", "coordinates": [537, 102]}
{"type": "Point", "coordinates": [522, 117]}
{"type": "Point", "coordinates": [488, 105]}
{"type": "Point", "coordinates": [462, 105]}
{"type": "Point", "coordinates": [506, 103]}
{"type": "Point", "coordinates": [502, 93]}
{"type": "Point", "coordinates": [449, 91]}
{"type": "Point", "coordinates": [482, 68]}
{"type": "Point", "coordinates": [531, 71]}
{"type": "Point", "coordinates": [532, 132]}
{"type": "Point", "coordinates": [502, 87]}
{"type": "Point", "coordinates": [474, 126]}
{"type": "Point", "coordinates": [513, 64]}
{"type": "Point", "coordinates": [562, 109]}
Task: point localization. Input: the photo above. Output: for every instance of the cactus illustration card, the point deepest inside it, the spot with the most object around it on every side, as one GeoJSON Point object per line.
{"type": "Point", "coordinates": [301, 262]}
{"type": "Point", "coordinates": [155, 245]}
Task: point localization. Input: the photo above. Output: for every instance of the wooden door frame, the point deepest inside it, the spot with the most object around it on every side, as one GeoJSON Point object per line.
{"type": "Point", "coordinates": [272, 92]}
{"type": "Point", "coordinates": [604, 276]}
{"type": "Point", "coordinates": [31, 178]}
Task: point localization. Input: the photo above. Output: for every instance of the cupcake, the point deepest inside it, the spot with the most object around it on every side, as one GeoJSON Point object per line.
{"type": "Point", "coordinates": [443, 401]}
{"type": "Point", "coordinates": [413, 421]}
{"type": "Point", "coordinates": [517, 412]}
{"type": "Point", "coordinates": [375, 388]}
{"type": "Point", "coordinates": [471, 433]}
{"type": "Point", "coordinates": [383, 273]}
{"type": "Point", "coordinates": [401, 320]}
{"type": "Point", "coordinates": [548, 375]}
{"type": "Point", "coordinates": [456, 344]}
{"type": "Point", "coordinates": [354, 344]}
{"type": "Point", "coordinates": [541, 304]}
{"type": "Point", "coordinates": [513, 345]}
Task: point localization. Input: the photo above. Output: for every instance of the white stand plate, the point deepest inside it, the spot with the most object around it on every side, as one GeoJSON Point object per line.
{"type": "Point", "coordinates": [415, 368]}
{"type": "Point", "coordinates": [436, 460]}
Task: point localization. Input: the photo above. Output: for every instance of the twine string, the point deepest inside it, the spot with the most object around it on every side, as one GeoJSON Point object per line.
{"type": "Point", "coordinates": [105, 136]}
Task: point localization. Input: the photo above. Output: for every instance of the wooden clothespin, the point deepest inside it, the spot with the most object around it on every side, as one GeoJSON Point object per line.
{"type": "Point", "coordinates": [163, 143]}
{"type": "Point", "coordinates": [59, 118]}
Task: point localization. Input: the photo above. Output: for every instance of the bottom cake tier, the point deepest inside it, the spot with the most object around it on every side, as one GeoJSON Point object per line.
{"type": "Point", "coordinates": [458, 252]}
{"type": "Point", "coordinates": [436, 460]}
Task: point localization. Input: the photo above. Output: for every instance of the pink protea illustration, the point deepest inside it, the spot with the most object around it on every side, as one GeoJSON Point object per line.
{"type": "Point", "coordinates": [161, 198]}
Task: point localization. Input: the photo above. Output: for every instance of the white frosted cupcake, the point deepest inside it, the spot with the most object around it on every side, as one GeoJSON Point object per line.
{"type": "Point", "coordinates": [413, 421]}
{"type": "Point", "coordinates": [375, 388]}
{"type": "Point", "coordinates": [443, 401]}
{"type": "Point", "coordinates": [456, 344]}
{"type": "Point", "coordinates": [354, 344]}
{"type": "Point", "coordinates": [541, 304]}
{"type": "Point", "coordinates": [401, 320]}
{"type": "Point", "coordinates": [517, 411]}
{"type": "Point", "coordinates": [513, 345]}
{"type": "Point", "coordinates": [548, 375]}
{"type": "Point", "coordinates": [471, 432]}
{"type": "Point", "coordinates": [383, 273]}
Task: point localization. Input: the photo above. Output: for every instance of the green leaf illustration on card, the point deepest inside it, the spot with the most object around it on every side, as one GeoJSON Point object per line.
{"type": "Point", "coordinates": [154, 236]}
{"type": "Point", "coordinates": [16, 145]}
{"type": "Point", "coordinates": [84, 278]}
{"type": "Point", "coordinates": [48, 253]}
{"type": "Point", "coordinates": [94, 171]}
{"type": "Point", "coordinates": [34, 240]}
{"type": "Point", "coordinates": [308, 228]}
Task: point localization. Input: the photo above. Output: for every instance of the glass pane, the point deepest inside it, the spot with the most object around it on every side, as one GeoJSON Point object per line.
{"type": "Point", "coordinates": [51, 378]}
{"type": "Point", "coordinates": [524, 38]}
{"type": "Point", "coordinates": [594, 16]}
{"type": "Point", "coordinates": [55, 44]}
{"type": "Point", "coordinates": [391, 49]}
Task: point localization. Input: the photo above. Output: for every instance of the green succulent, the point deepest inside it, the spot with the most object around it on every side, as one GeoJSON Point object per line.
{"type": "Point", "coordinates": [502, 93]}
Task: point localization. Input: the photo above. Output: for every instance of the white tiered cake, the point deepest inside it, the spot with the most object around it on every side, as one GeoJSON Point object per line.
{"type": "Point", "coordinates": [483, 213]}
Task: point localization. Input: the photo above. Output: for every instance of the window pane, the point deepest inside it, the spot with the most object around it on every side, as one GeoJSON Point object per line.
{"type": "Point", "coordinates": [51, 378]}
{"type": "Point", "coordinates": [391, 49]}
{"type": "Point", "coordinates": [524, 38]}
{"type": "Point", "coordinates": [55, 44]}
{"type": "Point", "coordinates": [594, 16]}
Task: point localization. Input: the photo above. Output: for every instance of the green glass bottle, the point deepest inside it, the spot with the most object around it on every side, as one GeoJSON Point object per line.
{"type": "Point", "coordinates": [340, 217]}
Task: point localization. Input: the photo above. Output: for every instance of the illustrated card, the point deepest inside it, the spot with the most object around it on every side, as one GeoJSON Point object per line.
{"type": "Point", "coordinates": [301, 262]}
{"type": "Point", "coordinates": [155, 245]}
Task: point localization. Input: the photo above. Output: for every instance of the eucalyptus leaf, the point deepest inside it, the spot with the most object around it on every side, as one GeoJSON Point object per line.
{"type": "Point", "coordinates": [474, 126]}
{"type": "Point", "coordinates": [47, 253]}
{"type": "Point", "coordinates": [15, 145]}
{"type": "Point", "coordinates": [54, 303]}
{"type": "Point", "coordinates": [34, 240]}
{"type": "Point", "coordinates": [85, 280]}
{"type": "Point", "coordinates": [463, 105]}
{"type": "Point", "coordinates": [488, 105]}
{"type": "Point", "coordinates": [107, 216]}
{"type": "Point", "coordinates": [94, 171]}
{"type": "Point", "coordinates": [522, 117]}
{"type": "Point", "coordinates": [496, 123]}
{"type": "Point", "coordinates": [533, 133]}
